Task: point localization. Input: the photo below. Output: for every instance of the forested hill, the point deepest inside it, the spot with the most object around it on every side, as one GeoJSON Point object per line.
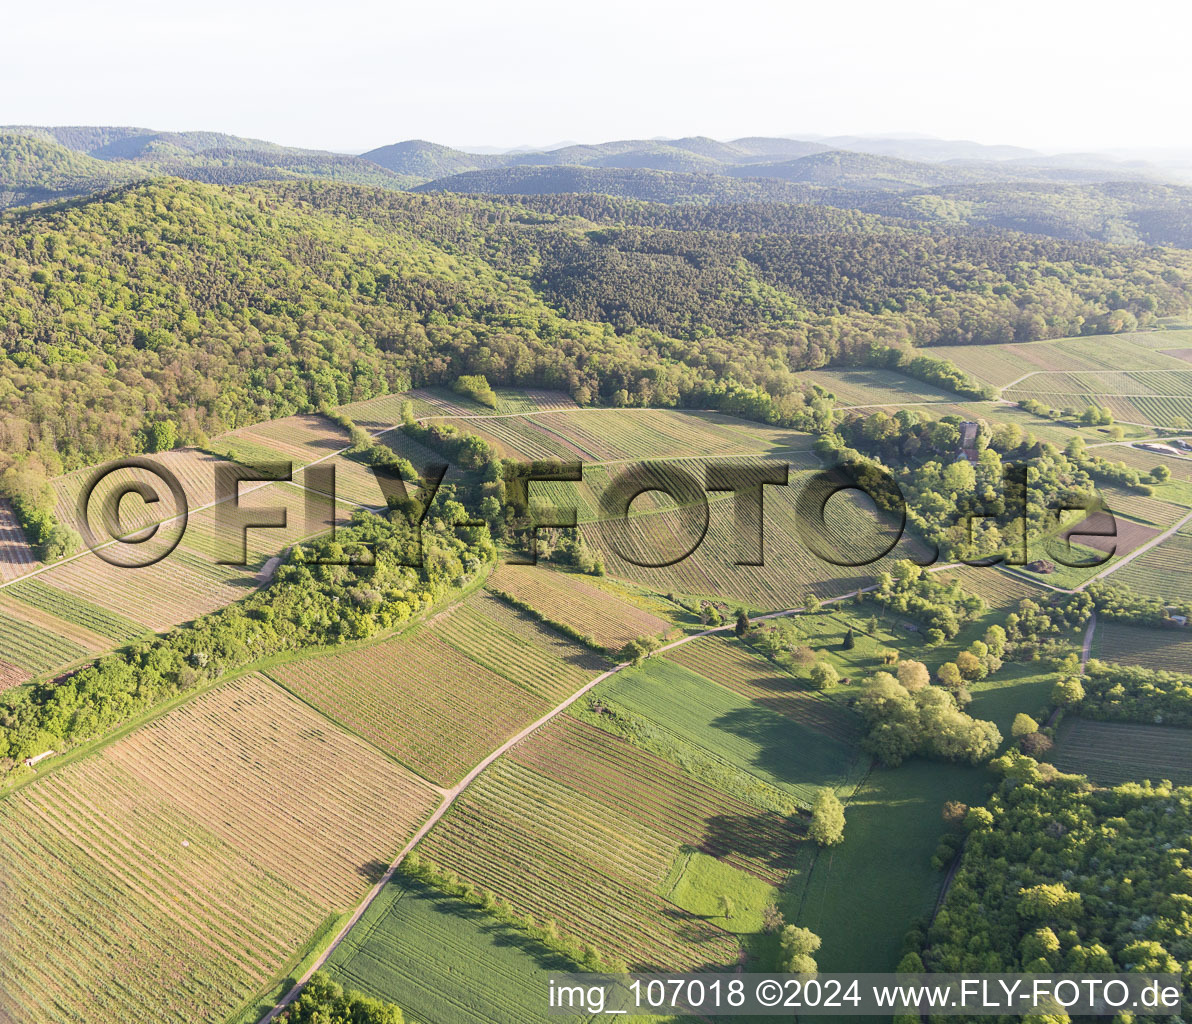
{"type": "Point", "coordinates": [211, 306]}
{"type": "Point", "coordinates": [1077, 198]}
{"type": "Point", "coordinates": [40, 165]}
{"type": "Point", "coordinates": [1127, 213]}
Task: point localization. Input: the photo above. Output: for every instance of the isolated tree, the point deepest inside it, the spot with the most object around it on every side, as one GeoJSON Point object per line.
{"type": "Point", "coordinates": [1161, 474]}
{"type": "Point", "coordinates": [727, 906]}
{"type": "Point", "coordinates": [849, 641]}
{"type": "Point", "coordinates": [1036, 744]}
{"type": "Point", "coordinates": [824, 675]}
{"type": "Point", "coordinates": [1023, 725]}
{"type": "Point", "coordinates": [742, 626]}
{"type": "Point", "coordinates": [795, 948]}
{"type": "Point", "coordinates": [811, 604]}
{"type": "Point", "coordinates": [954, 812]}
{"type": "Point", "coordinates": [969, 665]}
{"type": "Point", "coordinates": [827, 819]}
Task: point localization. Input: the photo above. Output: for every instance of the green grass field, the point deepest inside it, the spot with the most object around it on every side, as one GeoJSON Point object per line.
{"type": "Point", "coordinates": [444, 962]}
{"type": "Point", "coordinates": [698, 882]}
{"type": "Point", "coordinates": [769, 746]}
{"type": "Point", "coordinates": [862, 896]}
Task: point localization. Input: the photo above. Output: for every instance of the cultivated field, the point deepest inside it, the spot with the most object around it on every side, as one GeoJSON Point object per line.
{"type": "Point", "coordinates": [1144, 461]}
{"type": "Point", "coordinates": [1162, 571]}
{"type": "Point", "coordinates": [729, 663]}
{"type": "Point", "coordinates": [180, 588]}
{"type": "Point", "coordinates": [1001, 364]}
{"type": "Point", "coordinates": [570, 599]}
{"type": "Point", "coordinates": [1141, 506]}
{"type": "Point", "coordinates": [442, 960]}
{"type": "Point", "coordinates": [613, 435]}
{"type": "Point", "coordinates": [374, 414]}
{"type": "Point", "coordinates": [1110, 753]}
{"type": "Point", "coordinates": [791, 569]}
{"type": "Point", "coordinates": [63, 610]}
{"type": "Point", "coordinates": [28, 649]}
{"type": "Point", "coordinates": [636, 784]}
{"type": "Point", "coordinates": [771, 747]}
{"type": "Point", "coordinates": [193, 469]}
{"type": "Point", "coordinates": [417, 698]}
{"type": "Point", "coordinates": [16, 556]}
{"type": "Point", "coordinates": [225, 532]}
{"type": "Point", "coordinates": [560, 855]}
{"type": "Point", "coordinates": [865, 387]}
{"type": "Point", "coordinates": [299, 439]}
{"type": "Point", "coordinates": [173, 875]}
{"type": "Point", "coordinates": [1163, 648]}
{"type": "Point", "coordinates": [491, 633]}
{"type": "Point", "coordinates": [999, 589]}
{"type": "Point", "coordinates": [37, 620]}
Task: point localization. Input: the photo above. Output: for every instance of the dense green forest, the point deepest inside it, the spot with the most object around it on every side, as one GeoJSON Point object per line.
{"type": "Point", "coordinates": [214, 306]}
{"type": "Point", "coordinates": [1057, 876]}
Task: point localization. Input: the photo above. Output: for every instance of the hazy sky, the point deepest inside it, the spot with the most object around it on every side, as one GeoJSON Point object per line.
{"type": "Point", "coordinates": [354, 74]}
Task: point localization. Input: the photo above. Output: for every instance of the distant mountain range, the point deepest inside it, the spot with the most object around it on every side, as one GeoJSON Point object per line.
{"type": "Point", "coordinates": [1077, 196]}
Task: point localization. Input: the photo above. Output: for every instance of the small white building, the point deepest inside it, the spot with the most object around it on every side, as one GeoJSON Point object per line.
{"type": "Point", "coordinates": [31, 762]}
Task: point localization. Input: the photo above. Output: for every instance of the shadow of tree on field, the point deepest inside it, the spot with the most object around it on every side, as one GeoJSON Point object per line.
{"type": "Point", "coordinates": [372, 871]}
{"type": "Point", "coordinates": [787, 750]}
{"type": "Point", "coordinates": [768, 838]}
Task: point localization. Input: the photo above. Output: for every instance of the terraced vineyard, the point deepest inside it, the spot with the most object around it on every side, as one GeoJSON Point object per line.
{"type": "Point", "coordinates": [558, 854]}
{"type": "Point", "coordinates": [1162, 571]}
{"type": "Point", "coordinates": [173, 875]}
{"type": "Point", "coordinates": [16, 556]}
{"type": "Point", "coordinates": [728, 663]}
{"type": "Point", "coordinates": [1169, 649]}
{"type": "Point", "coordinates": [782, 753]}
{"type": "Point", "coordinates": [418, 699]}
{"type": "Point", "coordinates": [28, 650]}
{"type": "Point", "coordinates": [1111, 753]}
{"type": "Point", "coordinates": [70, 608]}
{"type": "Point", "coordinates": [568, 598]}
{"type": "Point", "coordinates": [636, 784]}
{"type": "Point", "coordinates": [489, 632]}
